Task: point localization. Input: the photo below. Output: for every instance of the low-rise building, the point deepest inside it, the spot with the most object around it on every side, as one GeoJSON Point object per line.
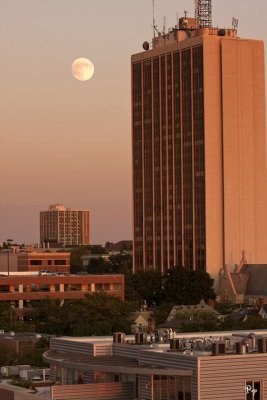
{"type": "Point", "coordinates": [21, 289]}
{"type": "Point", "coordinates": [142, 321]}
{"type": "Point", "coordinates": [13, 262]}
{"type": "Point", "coordinates": [205, 366]}
{"type": "Point", "coordinates": [19, 342]}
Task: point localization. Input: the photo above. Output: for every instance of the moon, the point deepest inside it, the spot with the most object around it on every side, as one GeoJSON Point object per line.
{"type": "Point", "coordinates": [82, 69]}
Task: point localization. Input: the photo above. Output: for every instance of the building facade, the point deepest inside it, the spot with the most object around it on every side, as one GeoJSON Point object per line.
{"type": "Point", "coordinates": [204, 366]}
{"type": "Point", "coordinates": [64, 226]}
{"type": "Point", "coordinates": [13, 263]}
{"type": "Point", "coordinates": [199, 150]}
{"type": "Point", "coordinates": [54, 262]}
{"type": "Point", "coordinates": [20, 290]}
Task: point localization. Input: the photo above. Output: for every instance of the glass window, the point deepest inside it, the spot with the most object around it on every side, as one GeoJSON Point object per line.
{"type": "Point", "coordinates": [60, 262]}
{"type": "Point", "coordinates": [187, 388]}
{"type": "Point", "coordinates": [180, 387]}
{"type": "Point", "coordinates": [35, 262]}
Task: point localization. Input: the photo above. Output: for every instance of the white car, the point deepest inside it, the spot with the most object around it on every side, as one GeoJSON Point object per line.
{"type": "Point", "coordinates": [45, 272]}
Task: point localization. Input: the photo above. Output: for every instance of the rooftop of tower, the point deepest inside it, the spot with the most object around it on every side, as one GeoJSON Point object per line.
{"type": "Point", "coordinates": [188, 28]}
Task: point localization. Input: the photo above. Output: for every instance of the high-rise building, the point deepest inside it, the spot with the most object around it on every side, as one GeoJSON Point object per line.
{"type": "Point", "coordinates": [64, 226]}
{"type": "Point", "coordinates": [199, 148]}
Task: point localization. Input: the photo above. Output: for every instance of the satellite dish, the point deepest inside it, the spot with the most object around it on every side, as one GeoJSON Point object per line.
{"type": "Point", "coordinates": [146, 46]}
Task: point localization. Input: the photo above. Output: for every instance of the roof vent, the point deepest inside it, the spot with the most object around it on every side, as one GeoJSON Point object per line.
{"type": "Point", "coordinates": [262, 345]}
{"type": "Point", "coordinates": [218, 348]}
{"type": "Point", "coordinates": [175, 344]}
{"type": "Point", "coordinates": [118, 337]}
{"type": "Point", "coordinates": [241, 347]}
{"type": "Point", "coordinates": [140, 337]}
{"type": "Point", "coordinates": [252, 338]}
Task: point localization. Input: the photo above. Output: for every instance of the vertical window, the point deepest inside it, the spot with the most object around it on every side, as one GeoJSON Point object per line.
{"type": "Point", "coordinates": [187, 389]}
{"type": "Point", "coordinates": [253, 390]}
{"type": "Point", "coordinates": [137, 164]}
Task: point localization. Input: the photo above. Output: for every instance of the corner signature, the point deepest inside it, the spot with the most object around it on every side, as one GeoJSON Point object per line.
{"type": "Point", "coordinates": [248, 389]}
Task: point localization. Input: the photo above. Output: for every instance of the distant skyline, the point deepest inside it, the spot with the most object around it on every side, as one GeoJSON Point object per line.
{"type": "Point", "coordinates": [66, 141]}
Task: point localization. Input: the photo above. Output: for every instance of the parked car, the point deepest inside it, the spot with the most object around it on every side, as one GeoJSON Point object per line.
{"type": "Point", "coordinates": [45, 272]}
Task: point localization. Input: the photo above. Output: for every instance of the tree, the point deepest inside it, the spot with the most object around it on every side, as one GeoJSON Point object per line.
{"type": "Point", "coordinates": [120, 263]}
{"type": "Point", "coordinates": [7, 316]}
{"type": "Point", "coordinates": [144, 285]}
{"type": "Point", "coordinates": [185, 286]}
{"type": "Point", "coordinates": [35, 357]}
{"type": "Point", "coordinates": [225, 307]}
{"type": "Point", "coordinates": [75, 258]}
{"type": "Point", "coordinates": [97, 265]}
{"type": "Point", "coordinates": [102, 314]}
{"type": "Point", "coordinates": [8, 356]}
{"type": "Point", "coordinates": [48, 317]}
{"type": "Point", "coordinates": [97, 314]}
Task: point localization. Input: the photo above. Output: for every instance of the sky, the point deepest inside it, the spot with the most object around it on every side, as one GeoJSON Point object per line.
{"type": "Point", "coordinates": [66, 141]}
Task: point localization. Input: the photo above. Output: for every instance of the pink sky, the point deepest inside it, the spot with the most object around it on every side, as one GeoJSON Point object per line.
{"type": "Point", "coordinates": [67, 141]}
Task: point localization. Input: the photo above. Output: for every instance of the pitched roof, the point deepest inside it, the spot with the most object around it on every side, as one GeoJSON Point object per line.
{"type": "Point", "coordinates": [201, 306]}
{"type": "Point", "coordinates": [145, 314]}
{"type": "Point", "coordinates": [240, 281]}
{"type": "Point", "coordinates": [241, 314]}
{"type": "Point", "coordinates": [257, 279]}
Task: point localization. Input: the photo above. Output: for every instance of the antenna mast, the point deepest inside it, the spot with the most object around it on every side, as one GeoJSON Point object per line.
{"type": "Point", "coordinates": [154, 23]}
{"type": "Point", "coordinates": [203, 12]}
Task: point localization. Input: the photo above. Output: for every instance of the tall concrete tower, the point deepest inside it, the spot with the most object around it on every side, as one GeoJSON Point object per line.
{"type": "Point", "coordinates": [199, 148]}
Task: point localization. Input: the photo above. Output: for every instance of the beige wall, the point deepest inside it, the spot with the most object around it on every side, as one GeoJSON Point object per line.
{"type": "Point", "coordinates": [213, 154]}
{"type": "Point", "coordinates": [244, 150]}
{"type": "Point", "coordinates": [235, 151]}
{"type": "Point", "coordinates": [224, 377]}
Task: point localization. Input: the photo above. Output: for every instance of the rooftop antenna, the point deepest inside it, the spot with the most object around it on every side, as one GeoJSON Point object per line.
{"type": "Point", "coordinates": [164, 25]}
{"type": "Point", "coordinates": [203, 12]}
{"type": "Point", "coordinates": [154, 26]}
{"type": "Point", "coordinates": [235, 23]}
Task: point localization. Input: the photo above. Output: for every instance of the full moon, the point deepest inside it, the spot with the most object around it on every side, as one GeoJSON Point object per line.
{"type": "Point", "coordinates": [82, 69]}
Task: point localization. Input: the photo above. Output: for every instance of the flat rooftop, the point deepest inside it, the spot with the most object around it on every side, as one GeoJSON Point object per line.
{"type": "Point", "coordinates": [109, 364]}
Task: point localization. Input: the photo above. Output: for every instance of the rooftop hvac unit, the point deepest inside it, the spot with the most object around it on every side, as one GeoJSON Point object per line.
{"type": "Point", "coordinates": [118, 337]}
{"type": "Point", "coordinates": [175, 344]}
{"type": "Point", "coordinates": [140, 338]}
{"type": "Point", "coordinates": [262, 345]}
{"type": "Point", "coordinates": [227, 343]}
{"type": "Point", "coordinates": [241, 348]}
{"type": "Point", "coordinates": [218, 348]}
{"type": "Point", "coordinates": [252, 338]}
